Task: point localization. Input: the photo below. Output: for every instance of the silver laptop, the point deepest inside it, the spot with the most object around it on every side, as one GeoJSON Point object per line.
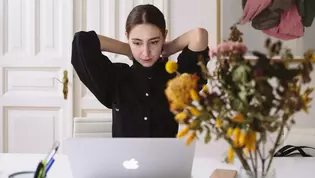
{"type": "Point", "coordinates": [129, 157]}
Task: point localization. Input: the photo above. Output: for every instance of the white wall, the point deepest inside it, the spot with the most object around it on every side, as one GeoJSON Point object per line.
{"type": "Point", "coordinates": [187, 14]}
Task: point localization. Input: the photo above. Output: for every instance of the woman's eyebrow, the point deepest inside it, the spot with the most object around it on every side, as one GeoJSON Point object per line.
{"type": "Point", "coordinates": [154, 38]}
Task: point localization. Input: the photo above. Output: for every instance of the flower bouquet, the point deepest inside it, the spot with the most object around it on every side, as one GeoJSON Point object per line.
{"type": "Point", "coordinates": [244, 102]}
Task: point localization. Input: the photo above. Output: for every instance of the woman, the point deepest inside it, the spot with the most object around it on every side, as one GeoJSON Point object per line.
{"type": "Point", "coordinates": [136, 94]}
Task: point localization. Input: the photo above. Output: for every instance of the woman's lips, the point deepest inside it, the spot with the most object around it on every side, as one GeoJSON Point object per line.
{"type": "Point", "coordinates": [147, 60]}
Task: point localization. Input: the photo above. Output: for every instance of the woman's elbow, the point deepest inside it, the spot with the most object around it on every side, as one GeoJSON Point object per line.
{"type": "Point", "coordinates": [199, 39]}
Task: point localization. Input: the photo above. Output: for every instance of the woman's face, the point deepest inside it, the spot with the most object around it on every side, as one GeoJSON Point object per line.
{"type": "Point", "coordinates": [146, 42]}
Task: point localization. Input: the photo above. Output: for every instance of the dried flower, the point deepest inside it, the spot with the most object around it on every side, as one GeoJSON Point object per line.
{"type": "Point", "coordinates": [238, 118]}
{"type": "Point", "coordinates": [236, 136]}
{"type": "Point", "coordinates": [194, 111]}
{"type": "Point", "coordinates": [229, 132]}
{"type": "Point", "coordinates": [242, 138]}
{"type": "Point", "coordinates": [228, 47]}
{"type": "Point", "coordinates": [267, 43]}
{"type": "Point", "coordinates": [178, 90]}
{"type": "Point", "coordinates": [194, 95]}
{"type": "Point", "coordinates": [191, 138]}
{"type": "Point", "coordinates": [181, 116]}
{"type": "Point", "coordinates": [183, 132]}
{"type": "Point", "coordinates": [244, 101]}
{"type": "Point", "coordinates": [231, 155]}
{"type": "Point", "coordinates": [218, 123]}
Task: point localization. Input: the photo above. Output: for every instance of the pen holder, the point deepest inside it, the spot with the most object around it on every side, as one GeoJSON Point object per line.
{"type": "Point", "coordinates": [40, 172]}
{"type": "Point", "coordinates": [22, 174]}
{"type": "Point", "coordinates": [42, 169]}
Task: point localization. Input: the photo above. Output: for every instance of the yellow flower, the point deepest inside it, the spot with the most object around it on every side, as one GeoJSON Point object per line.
{"type": "Point", "coordinates": [178, 90]}
{"type": "Point", "coordinates": [313, 58]}
{"type": "Point", "coordinates": [251, 144]}
{"type": "Point", "coordinates": [242, 138]}
{"type": "Point", "coordinates": [173, 107]}
{"type": "Point", "coordinates": [238, 118]}
{"type": "Point", "coordinates": [194, 95]}
{"type": "Point", "coordinates": [309, 53]}
{"type": "Point", "coordinates": [306, 99]}
{"type": "Point", "coordinates": [229, 132]}
{"type": "Point", "coordinates": [218, 123]}
{"type": "Point", "coordinates": [181, 116]}
{"type": "Point", "coordinates": [191, 138]}
{"type": "Point", "coordinates": [230, 155]}
{"type": "Point", "coordinates": [236, 132]}
{"type": "Point", "coordinates": [171, 67]}
{"type": "Point", "coordinates": [194, 111]}
{"type": "Point", "coordinates": [205, 89]}
{"type": "Point", "coordinates": [236, 136]}
{"type": "Point", "coordinates": [308, 91]}
{"type": "Point", "coordinates": [247, 148]}
{"type": "Point", "coordinates": [183, 132]}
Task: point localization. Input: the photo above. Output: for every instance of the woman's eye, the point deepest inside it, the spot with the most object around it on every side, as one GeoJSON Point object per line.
{"type": "Point", "coordinates": [155, 42]}
{"type": "Point", "coordinates": [137, 43]}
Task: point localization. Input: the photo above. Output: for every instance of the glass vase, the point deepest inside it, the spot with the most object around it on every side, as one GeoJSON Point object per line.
{"type": "Point", "coordinates": [247, 174]}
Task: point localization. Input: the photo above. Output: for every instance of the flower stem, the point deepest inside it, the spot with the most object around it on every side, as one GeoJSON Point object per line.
{"type": "Point", "coordinates": [262, 158]}
{"type": "Point", "coordinates": [252, 161]}
{"type": "Point", "coordinates": [276, 144]}
{"type": "Point", "coordinates": [242, 159]}
{"type": "Point", "coordinates": [256, 161]}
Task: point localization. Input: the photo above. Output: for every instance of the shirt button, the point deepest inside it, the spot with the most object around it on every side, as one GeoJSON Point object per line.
{"type": "Point", "coordinates": [145, 118]}
{"type": "Point", "coordinates": [146, 94]}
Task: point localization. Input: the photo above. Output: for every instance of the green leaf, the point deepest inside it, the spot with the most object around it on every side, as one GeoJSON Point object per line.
{"type": "Point", "coordinates": [270, 118]}
{"type": "Point", "coordinates": [208, 135]}
{"type": "Point", "coordinates": [238, 105]}
{"type": "Point", "coordinates": [200, 129]}
{"type": "Point", "coordinates": [241, 74]}
{"type": "Point", "coordinates": [243, 96]}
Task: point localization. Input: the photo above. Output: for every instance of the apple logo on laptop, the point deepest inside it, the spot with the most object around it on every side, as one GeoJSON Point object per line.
{"type": "Point", "coordinates": [131, 164]}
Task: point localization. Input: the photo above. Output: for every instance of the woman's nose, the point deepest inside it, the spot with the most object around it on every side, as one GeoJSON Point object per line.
{"type": "Point", "coordinates": [146, 51]}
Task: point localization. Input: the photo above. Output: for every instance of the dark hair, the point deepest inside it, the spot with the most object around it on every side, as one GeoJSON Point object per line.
{"type": "Point", "coordinates": [146, 13]}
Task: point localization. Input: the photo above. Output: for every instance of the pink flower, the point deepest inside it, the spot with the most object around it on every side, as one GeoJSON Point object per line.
{"type": "Point", "coordinates": [240, 47]}
{"type": "Point", "coordinates": [229, 46]}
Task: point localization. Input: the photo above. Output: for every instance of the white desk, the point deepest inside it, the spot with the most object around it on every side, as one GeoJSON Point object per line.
{"type": "Point", "coordinates": [285, 167]}
{"type": "Point", "coordinates": [202, 168]}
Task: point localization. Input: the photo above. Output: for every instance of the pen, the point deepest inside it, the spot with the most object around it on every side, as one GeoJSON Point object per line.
{"type": "Point", "coordinates": [54, 150]}
{"type": "Point", "coordinates": [44, 165]}
{"type": "Point", "coordinates": [50, 163]}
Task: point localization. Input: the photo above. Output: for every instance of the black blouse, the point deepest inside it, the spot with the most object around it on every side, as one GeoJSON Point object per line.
{"type": "Point", "coordinates": [134, 93]}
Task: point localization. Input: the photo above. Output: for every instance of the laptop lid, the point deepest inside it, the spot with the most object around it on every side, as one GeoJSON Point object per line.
{"type": "Point", "coordinates": [129, 157]}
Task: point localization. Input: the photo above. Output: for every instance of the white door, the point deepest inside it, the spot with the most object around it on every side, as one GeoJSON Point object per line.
{"type": "Point", "coordinates": [35, 49]}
